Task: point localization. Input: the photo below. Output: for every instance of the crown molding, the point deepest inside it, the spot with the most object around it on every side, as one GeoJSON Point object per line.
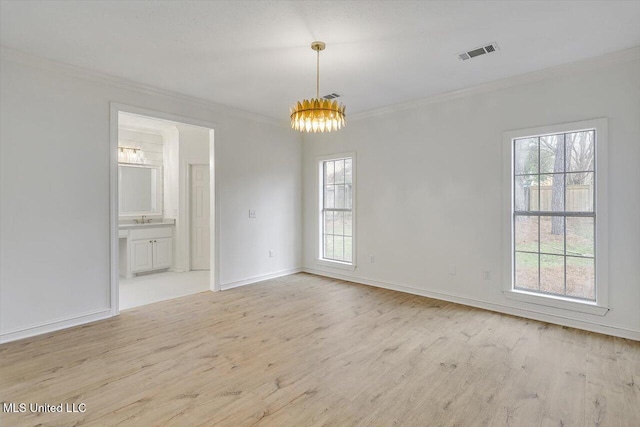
{"type": "Point", "coordinates": [626, 55]}
{"type": "Point", "coordinates": [14, 55]}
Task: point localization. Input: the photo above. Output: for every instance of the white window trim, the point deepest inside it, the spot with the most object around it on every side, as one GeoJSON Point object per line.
{"type": "Point", "coordinates": [601, 304]}
{"type": "Point", "coordinates": [319, 182]}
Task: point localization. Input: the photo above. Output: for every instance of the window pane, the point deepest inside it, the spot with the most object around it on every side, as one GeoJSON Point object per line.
{"type": "Point", "coordinates": [580, 239]}
{"type": "Point", "coordinates": [555, 174]}
{"type": "Point", "coordinates": [338, 248]}
{"type": "Point", "coordinates": [552, 274]}
{"type": "Point", "coordinates": [580, 192]}
{"type": "Point", "coordinates": [329, 196]}
{"type": "Point", "coordinates": [339, 171]}
{"type": "Point", "coordinates": [328, 223]}
{"type": "Point", "coordinates": [552, 192]}
{"type": "Point", "coordinates": [552, 153]}
{"type": "Point", "coordinates": [328, 246]}
{"type": "Point", "coordinates": [348, 224]}
{"type": "Point", "coordinates": [526, 193]}
{"type": "Point", "coordinates": [581, 278]}
{"type": "Point", "coordinates": [526, 276]}
{"type": "Point", "coordinates": [526, 233]}
{"type": "Point", "coordinates": [552, 235]}
{"type": "Point", "coordinates": [348, 250]}
{"type": "Point", "coordinates": [580, 151]}
{"type": "Point", "coordinates": [348, 171]}
{"type": "Point", "coordinates": [526, 156]}
{"type": "Point", "coordinates": [328, 170]}
{"type": "Point", "coordinates": [337, 219]}
{"type": "Point", "coordinates": [338, 223]}
{"type": "Point", "coordinates": [339, 196]}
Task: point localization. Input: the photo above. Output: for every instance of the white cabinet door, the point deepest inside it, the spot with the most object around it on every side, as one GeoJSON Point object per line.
{"type": "Point", "coordinates": [200, 217]}
{"type": "Point", "coordinates": [141, 255]}
{"type": "Point", "coordinates": [162, 253]}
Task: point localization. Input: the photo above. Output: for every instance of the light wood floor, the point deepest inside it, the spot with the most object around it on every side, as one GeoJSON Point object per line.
{"type": "Point", "coordinates": [305, 350]}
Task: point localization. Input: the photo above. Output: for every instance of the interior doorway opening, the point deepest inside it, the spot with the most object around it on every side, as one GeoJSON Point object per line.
{"type": "Point", "coordinates": [162, 207]}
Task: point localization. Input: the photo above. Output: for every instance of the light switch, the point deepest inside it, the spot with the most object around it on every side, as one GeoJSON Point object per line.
{"type": "Point", "coordinates": [252, 213]}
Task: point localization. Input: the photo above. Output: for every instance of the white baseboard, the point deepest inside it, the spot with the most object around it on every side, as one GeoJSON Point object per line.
{"type": "Point", "coordinates": [500, 308]}
{"type": "Point", "coordinates": [261, 278]}
{"type": "Point", "coordinates": [56, 325]}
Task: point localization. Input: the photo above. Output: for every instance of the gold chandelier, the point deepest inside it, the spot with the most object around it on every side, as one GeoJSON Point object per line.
{"type": "Point", "coordinates": [317, 114]}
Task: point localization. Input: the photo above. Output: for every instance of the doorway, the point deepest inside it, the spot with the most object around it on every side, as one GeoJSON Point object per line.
{"type": "Point", "coordinates": [162, 207]}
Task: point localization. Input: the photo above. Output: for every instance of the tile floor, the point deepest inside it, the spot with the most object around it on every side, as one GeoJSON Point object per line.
{"type": "Point", "coordinates": [154, 287]}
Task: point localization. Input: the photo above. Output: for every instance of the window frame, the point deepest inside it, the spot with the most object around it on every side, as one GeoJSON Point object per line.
{"type": "Point", "coordinates": [320, 260]}
{"type": "Point", "coordinates": [600, 305]}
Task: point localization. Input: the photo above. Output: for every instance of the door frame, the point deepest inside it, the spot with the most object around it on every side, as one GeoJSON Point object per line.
{"type": "Point", "coordinates": [188, 164]}
{"type": "Point", "coordinates": [114, 109]}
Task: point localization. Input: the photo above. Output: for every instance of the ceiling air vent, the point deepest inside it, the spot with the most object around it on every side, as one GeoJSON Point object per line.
{"type": "Point", "coordinates": [478, 51]}
{"type": "Point", "coordinates": [331, 96]}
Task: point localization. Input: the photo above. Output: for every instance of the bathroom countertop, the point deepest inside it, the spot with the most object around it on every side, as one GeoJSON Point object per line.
{"type": "Point", "coordinates": [153, 223]}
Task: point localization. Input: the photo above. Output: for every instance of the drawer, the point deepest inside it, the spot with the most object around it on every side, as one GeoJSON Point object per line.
{"type": "Point", "coordinates": [150, 233]}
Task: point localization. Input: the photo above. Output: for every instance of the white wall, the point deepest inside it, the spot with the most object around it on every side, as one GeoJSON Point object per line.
{"type": "Point", "coordinates": [193, 149]}
{"type": "Point", "coordinates": [171, 172]}
{"type": "Point", "coordinates": [54, 172]}
{"type": "Point", "coordinates": [430, 190]}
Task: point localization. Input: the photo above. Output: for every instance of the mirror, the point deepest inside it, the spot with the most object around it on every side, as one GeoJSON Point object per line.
{"type": "Point", "coordinates": [139, 190]}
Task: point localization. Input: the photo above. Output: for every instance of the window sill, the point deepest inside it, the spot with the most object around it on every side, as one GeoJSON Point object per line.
{"type": "Point", "coordinates": [557, 302]}
{"type": "Point", "coordinates": [336, 264]}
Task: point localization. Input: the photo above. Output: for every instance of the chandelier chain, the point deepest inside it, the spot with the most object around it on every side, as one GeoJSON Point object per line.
{"type": "Point", "coordinates": [318, 75]}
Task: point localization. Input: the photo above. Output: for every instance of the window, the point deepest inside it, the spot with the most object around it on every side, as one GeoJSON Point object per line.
{"type": "Point", "coordinates": [336, 190]}
{"type": "Point", "coordinates": [556, 213]}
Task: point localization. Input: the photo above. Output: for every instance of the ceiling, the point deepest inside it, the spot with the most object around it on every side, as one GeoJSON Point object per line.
{"type": "Point", "coordinates": [255, 55]}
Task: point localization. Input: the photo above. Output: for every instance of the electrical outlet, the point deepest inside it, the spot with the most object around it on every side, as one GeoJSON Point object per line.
{"type": "Point", "coordinates": [452, 269]}
{"type": "Point", "coordinates": [271, 253]}
{"type": "Point", "coordinates": [486, 275]}
{"type": "Point", "coordinates": [252, 213]}
{"type": "Point", "coordinates": [372, 259]}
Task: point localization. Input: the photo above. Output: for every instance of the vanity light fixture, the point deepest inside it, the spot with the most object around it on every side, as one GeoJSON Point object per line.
{"type": "Point", "coordinates": [317, 114]}
{"type": "Point", "coordinates": [130, 155]}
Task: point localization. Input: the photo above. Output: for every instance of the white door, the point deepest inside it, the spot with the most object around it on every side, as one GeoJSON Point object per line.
{"type": "Point", "coordinates": [141, 255]}
{"type": "Point", "coordinates": [162, 252]}
{"type": "Point", "coordinates": [199, 217]}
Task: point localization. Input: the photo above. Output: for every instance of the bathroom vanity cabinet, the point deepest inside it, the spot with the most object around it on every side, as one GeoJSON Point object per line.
{"type": "Point", "coordinates": [147, 247]}
{"type": "Point", "coordinates": [147, 255]}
